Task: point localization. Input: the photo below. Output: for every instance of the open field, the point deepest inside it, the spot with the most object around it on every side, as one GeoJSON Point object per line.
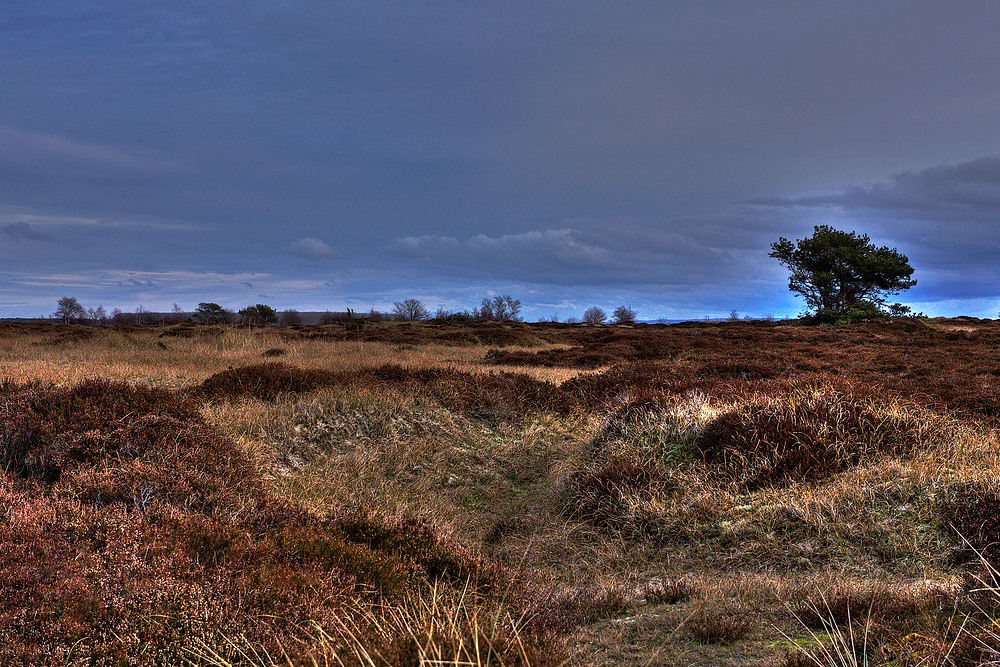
{"type": "Point", "coordinates": [752, 493]}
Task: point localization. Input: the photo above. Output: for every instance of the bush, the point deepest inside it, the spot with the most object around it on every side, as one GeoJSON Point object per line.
{"type": "Point", "coordinates": [290, 318]}
{"type": "Point", "coordinates": [804, 435]}
{"type": "Point", "coordinates": [264, 381]}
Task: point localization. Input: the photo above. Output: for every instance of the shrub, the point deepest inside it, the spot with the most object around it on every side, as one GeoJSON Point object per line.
{"type": "Point", "coordinates": [290, 318]}
{"type": "Point", "coordinates": [804, 435]}
{"type": "Point", "coordinates": [264, 381]}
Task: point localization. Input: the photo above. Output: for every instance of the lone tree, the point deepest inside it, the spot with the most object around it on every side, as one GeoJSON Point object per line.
{"type": "Point", "coordinates": [410, 310]}
{"type": "Point", "coordinates": [624, 315]}
{"type": "Point", "coordinates": [69, 310]}
{"type": "Point", "coordinates": [838, 272]}
{"type": "Point", "coordinates": [210, 313]}
{"type": "Point", "coordinates": [595, 315]}
{"type": "Point", "coordinates": [258, 315]}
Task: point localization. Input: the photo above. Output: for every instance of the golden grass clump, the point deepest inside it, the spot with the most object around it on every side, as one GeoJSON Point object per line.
{"type": "Point", "coordinates": [805, 434]}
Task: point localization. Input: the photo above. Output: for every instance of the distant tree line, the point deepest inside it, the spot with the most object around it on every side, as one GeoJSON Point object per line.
{"type": "Point", "coordinates": [498, 308]}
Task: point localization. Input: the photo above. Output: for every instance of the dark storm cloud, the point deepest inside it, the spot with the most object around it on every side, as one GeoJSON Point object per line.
{"type": "Point", "coordinates": [967, 191]}
{"type": "Point", "coordinates": [946, 218]}
{"type": "Point", "coordinates": [546, 144]}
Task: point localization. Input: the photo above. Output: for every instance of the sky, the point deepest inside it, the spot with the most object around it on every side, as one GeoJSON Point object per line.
{"type": "Point", "coordinates": [324, 155]}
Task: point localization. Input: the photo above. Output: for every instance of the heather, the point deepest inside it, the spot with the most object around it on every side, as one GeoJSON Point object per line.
{"type": "Point", "coordinates": [501, 493]}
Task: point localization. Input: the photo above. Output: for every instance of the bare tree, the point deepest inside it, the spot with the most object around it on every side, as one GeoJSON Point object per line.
{"type": "Point", "coordinates": [97, 315]}
{"type": "Point", "coordinates": [290, 317]}
{"type": "Point", "coordinates": [595, 315]}
{"type": "Point", "coordinates": [69, 310]}
{"type": "Point", "coordinates": [410, 310]}
{"type": "Point", "coordinates": [501, 308]}
{"type": "Point", "coordinates": [624, 315]}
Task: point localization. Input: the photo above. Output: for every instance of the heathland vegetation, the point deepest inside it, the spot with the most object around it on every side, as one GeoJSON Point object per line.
{"type": "Point", "coordinates": [465, 492]}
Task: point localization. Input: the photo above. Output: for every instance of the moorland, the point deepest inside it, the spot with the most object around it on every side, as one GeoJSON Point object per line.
{"type": "Point", "coordinates": [500, 493]}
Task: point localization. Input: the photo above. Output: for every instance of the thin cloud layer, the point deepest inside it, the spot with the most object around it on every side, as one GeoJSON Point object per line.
{"type": "Point", "coordinates": [615, 254]}
{"type": "Point", "coordinates": [310, 248]}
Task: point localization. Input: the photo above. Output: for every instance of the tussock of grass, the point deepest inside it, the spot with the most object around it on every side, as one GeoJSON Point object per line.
{"type": "Point", "coordinates": [721, 623]}
{"type": "Point", "coordinates": [440, 627]}
{"type": "Point", "coordinates": [805, 434]}
{"type": "Point", "coordinates": [859, 623]}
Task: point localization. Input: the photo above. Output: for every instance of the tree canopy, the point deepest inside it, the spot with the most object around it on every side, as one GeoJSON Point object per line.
{"type": "Point", "coordinates": [595, 315]}
{"type": "Point", "coordinates": [259, 315]}
{"type": "Point", "coordinates": [210, 313]}
{"type": "Point", "coordinates": [624, 315]}
{"type": "Point", "coordinates": [501, 308]}
{"type": "Point", "coordinates": [410, 310]}
{"type": "Point", "coordinates": [837, 272]}
{"type": "Point", "coordinates": [69, 310]}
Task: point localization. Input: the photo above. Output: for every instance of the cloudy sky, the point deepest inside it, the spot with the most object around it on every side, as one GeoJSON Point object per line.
{"type": "Point", "coordinates": [321, 155]}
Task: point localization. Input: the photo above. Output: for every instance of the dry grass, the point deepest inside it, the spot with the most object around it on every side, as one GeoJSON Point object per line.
{"type": "Point", "coordinates": [720, 495]}
{"type": "Point", "coordinates": [146, 355]}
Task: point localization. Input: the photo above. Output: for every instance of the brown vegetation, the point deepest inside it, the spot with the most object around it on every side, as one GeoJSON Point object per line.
{"type": "Point", "coordinates": [500, 493]}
